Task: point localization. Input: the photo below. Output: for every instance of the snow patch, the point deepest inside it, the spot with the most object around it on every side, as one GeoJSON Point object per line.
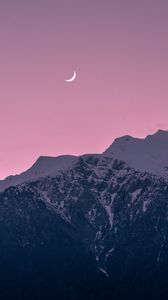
{"type": "Point", "coordinates": [103, 271]}
{"type": "Point", "coordinates": [145, 205]}
{"type": "Point", "coordinates": [135, 194]}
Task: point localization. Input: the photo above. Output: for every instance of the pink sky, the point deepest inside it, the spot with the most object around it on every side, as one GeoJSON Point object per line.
{"type": "Point", "coordinates": [119, 50]}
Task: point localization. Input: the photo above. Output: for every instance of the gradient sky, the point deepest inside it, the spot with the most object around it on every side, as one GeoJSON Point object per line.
{"type": "Point", "coordinates": [119, 49]}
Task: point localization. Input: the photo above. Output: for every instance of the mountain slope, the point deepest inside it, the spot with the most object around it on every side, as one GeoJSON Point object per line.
{"type": "Point", "coordinates": [44, 166]}
{"type": "Point", "coordinates": [41, 256]}
{"type": "Point", "coordinates": [122, 215]}
{"type": "Point", "coordinates": [88, 227]}
{"type": "Point", "coordinates": [146, 155]}
{"type": "Point", "coordinates": [119, 214]}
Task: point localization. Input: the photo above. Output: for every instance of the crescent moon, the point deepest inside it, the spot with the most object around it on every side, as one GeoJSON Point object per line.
{"type": "Point", "coordinates": [72, 78]}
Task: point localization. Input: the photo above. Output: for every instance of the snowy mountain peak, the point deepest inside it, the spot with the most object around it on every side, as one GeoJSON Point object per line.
{"type": "Point", "coordinates": [160, 132]}
{"type": "Point", "coordinates": [149, 154]}
{"type": "Point", "coordinates": [49, 164]}
{"type": "Point", "coordinates": [44, 166]}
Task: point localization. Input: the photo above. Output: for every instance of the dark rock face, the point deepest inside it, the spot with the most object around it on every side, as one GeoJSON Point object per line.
{"type": "Point", "coordinates": [97, 231]}
{"type": "Point", "coordinates": [41, 256]}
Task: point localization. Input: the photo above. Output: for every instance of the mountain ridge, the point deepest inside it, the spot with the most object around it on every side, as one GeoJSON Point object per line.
{"type": "Point", "coordinates": [87, 227]}
{"type": "Point", "coordinates": [147, 154]}
{"type": "Point", "coordinates": [120, 216]}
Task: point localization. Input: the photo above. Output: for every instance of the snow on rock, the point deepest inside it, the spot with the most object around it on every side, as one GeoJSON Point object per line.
{"type": "Point", "coordinates": [44, 166]}
{"type": "Point", "coordinates": [110, 214]}
{"type": "Point", "coordinates": [146, 155]}
{"type": "Point", "coordinates": [145, 205]}
{"type": "Point", "coordinates": [135, 194]}
{"type": "Point", "coordinates": [103, 271]}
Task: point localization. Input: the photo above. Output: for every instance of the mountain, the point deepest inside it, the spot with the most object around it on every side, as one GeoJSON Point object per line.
{"type": "Point", "coordinates": [96, 228]}
{"type": "Point", "coordinates": [146, 155]}
{"type": "Point", "coordinates": [41, 255]}
{"type": "Point", "coordinates": [44, 166]}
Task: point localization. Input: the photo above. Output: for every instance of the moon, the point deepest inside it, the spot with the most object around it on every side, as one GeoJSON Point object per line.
{"type": "Point", "coordinates": [72, 78]}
